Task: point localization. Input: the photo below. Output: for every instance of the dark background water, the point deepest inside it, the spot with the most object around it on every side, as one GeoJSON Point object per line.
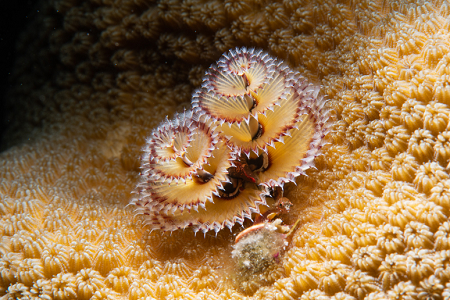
{"type": "Point", "coordinates": [14, 15]}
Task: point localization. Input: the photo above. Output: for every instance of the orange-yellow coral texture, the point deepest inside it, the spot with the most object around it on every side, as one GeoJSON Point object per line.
{"type": "Point", "coordinates": [94, 77]}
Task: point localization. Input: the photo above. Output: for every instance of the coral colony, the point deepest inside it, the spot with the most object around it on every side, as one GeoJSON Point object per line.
{"type": "Point", "coordinates": [255, 125]}
{"type": "Point", "coordinates": [88, 102]}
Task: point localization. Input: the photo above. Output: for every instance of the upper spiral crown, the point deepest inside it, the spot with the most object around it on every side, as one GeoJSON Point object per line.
{"type": "Point", "coordinates": [255, 124]}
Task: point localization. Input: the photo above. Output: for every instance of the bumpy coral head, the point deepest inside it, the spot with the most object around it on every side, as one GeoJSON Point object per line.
{"type": "Point", "coordinates": [256, 124]}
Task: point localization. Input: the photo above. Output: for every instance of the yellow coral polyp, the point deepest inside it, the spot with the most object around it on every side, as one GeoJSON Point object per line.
{"type": "Point", "coordinates": [361, 284]}
{"type": "Point", "coordinates": [421, 145]}
{"type": "Point", "coordinates": [436, 117]}
{"type": "Point", "coordinates": [428, 176]}
{"type": "Point", "coordinates": [55, 259]}
{"type": "Point", "coordinates": [88, 281]}
{"type": "Point", "coordinates": [64, 286]}
{"type": "Point", "coordinates": [390, 239]}
{"type": "Point", "coordinates": [120, 279]}
{"type": "Point", "coordinates": [412, 114]}
{"type": "Point", "coordinates": [419, 264]}
{"type": "Point", "coordinates": [404, 167]}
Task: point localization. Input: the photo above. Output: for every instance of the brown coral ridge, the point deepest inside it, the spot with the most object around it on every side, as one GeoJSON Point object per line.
{"type": "Point", "coordinates": [94, 78]}
{"type": "Point", "coordinates": [213, 167]}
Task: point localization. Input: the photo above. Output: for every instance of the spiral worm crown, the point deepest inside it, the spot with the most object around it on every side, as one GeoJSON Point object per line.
{"type": "Point", "coordinates": [255, 125]}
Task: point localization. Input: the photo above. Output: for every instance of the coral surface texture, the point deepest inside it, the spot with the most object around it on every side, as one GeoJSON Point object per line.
{"type": "Point", "coordinates": [94, 78]}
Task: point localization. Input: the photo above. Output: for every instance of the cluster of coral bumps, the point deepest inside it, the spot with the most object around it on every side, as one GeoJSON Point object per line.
{"type": "Point", "coordinates": [94, 77]}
